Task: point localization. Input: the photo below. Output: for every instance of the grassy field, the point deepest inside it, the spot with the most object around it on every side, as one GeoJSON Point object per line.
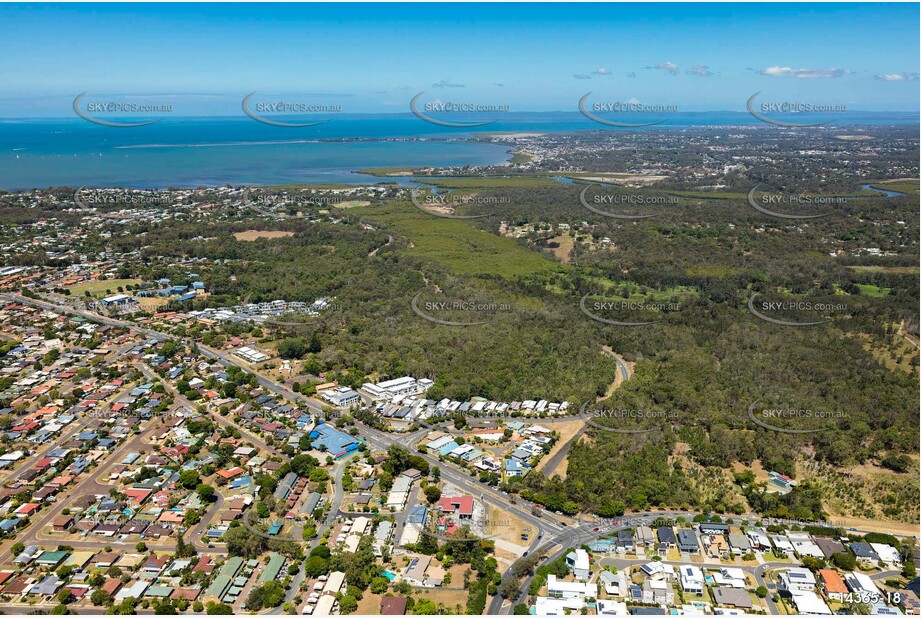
{"type": "Point", "coordinates": [386, 171]}
{"type": "Point", "coordinates": [650, 295]}
{"type": "Point", "coordinates": [519, 158]}
{"type": "Point", "coordinates": [566, 243]}
{"type": "Point", "coordinates": [98, 288]}
{"type": "Point", "coordinates": [903, 186]}
{"type": "Point", "coordinates": [708, 195]}
{"type": "Point", "coordinates": [872, 291]}
{"type": "Point", "coordinates": [459, 245]}
{"type": "Point", "coordinates": [711, 270]}
{"type": "Point", "coordinates": [891, 270]}
{"type": "Point", "coordinates": [895, 356]}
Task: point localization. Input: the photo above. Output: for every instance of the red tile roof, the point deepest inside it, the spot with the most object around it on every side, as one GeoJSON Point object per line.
{"type": "Point", "coordinates": [832, 581]}
{"type": "Point", "coordinates": [463, 505]}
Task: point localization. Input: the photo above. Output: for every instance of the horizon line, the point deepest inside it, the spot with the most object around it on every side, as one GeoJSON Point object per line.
{"type": "Point", "coordinates": [409, 114]}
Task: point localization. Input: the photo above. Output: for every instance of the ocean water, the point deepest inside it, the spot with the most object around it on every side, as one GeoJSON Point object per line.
{"type": "Point", "coordinates": [189, 152]}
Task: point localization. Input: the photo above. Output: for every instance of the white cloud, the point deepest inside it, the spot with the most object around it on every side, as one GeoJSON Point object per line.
{"type": "Point", "coordinates": [446, 84]}
{"type": "Point", "coordinates": [602, 71]}
{"type": "Point", "coordinates": [669, 67]}
{"type": "Point", "coordinates": [633, 101]}
{"type": "Point", "coordinates": [832, 73]}
{"type": "Point", "coordinates": [896, 77]}
{"type": "Point", "coordinates": [699, 70]}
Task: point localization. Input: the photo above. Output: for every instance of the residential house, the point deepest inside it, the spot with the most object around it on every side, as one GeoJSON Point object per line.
{"type": "Point", "coordinates": [657, 570]}
{"type": "Point", "coordinates": [739, 544]}
{"type": "Point", "coordinates": [733, 597]}
{"type": "Point", "coordinates": [910, 603]}
{"type": "Point", "coordinates": [644, 537]}
{"type": "Point", "coordinates": [832, 586]}
{"type": "Point", "coordinates": [658, 592]}
{"type": "Point", "coordinates": [731, 577]}
{"type": "Point", "coordinates": [809, 604]}
{"type": "Point", "coordinates": [615, 584]}
{"type": "Point", "coordinates": [860, 584]}
{"type": "Point", "coordinates": [393, 606]}
{"type": "Point", "coordinates": [707, 527]}
{"type": "Point", "coordinates": [625, 540]}
{"type": "Point", "coordinates": [415, 571]}
{"type": "Point", "coordinates": [864, 551]}
{"type": "Point", "coordinates": [687, 542]}
{"type": "Point", "coordinates": [578, 564]}
{"type": "Point", "coordinates": [717, 547]}
{"type": "Point", "coordinates": [759, 539]}
{"type": "Point", "coordinates": [830, 547]}
{"type": "Point", "coordinates": [570, 590]}
{"type": "Point", "coordinates": [796, 580]}
{"type": "Point", "coordinates": [691, 578]}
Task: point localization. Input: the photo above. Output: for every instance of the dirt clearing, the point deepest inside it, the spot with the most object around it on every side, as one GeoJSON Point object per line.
{"type": "Point", "coordinates": [257, 234]}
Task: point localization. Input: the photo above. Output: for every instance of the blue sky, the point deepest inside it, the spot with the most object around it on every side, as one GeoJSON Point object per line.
{"type": "Point", "coordinates": [203, 58]}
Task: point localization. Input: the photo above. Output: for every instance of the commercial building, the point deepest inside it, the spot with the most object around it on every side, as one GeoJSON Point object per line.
{"type": "Point", "coordinates": [330, 440]}
{"type": "Point", "coordinates": [400, 386]}
{"type": "Point", "coordinates": [341, 397]}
